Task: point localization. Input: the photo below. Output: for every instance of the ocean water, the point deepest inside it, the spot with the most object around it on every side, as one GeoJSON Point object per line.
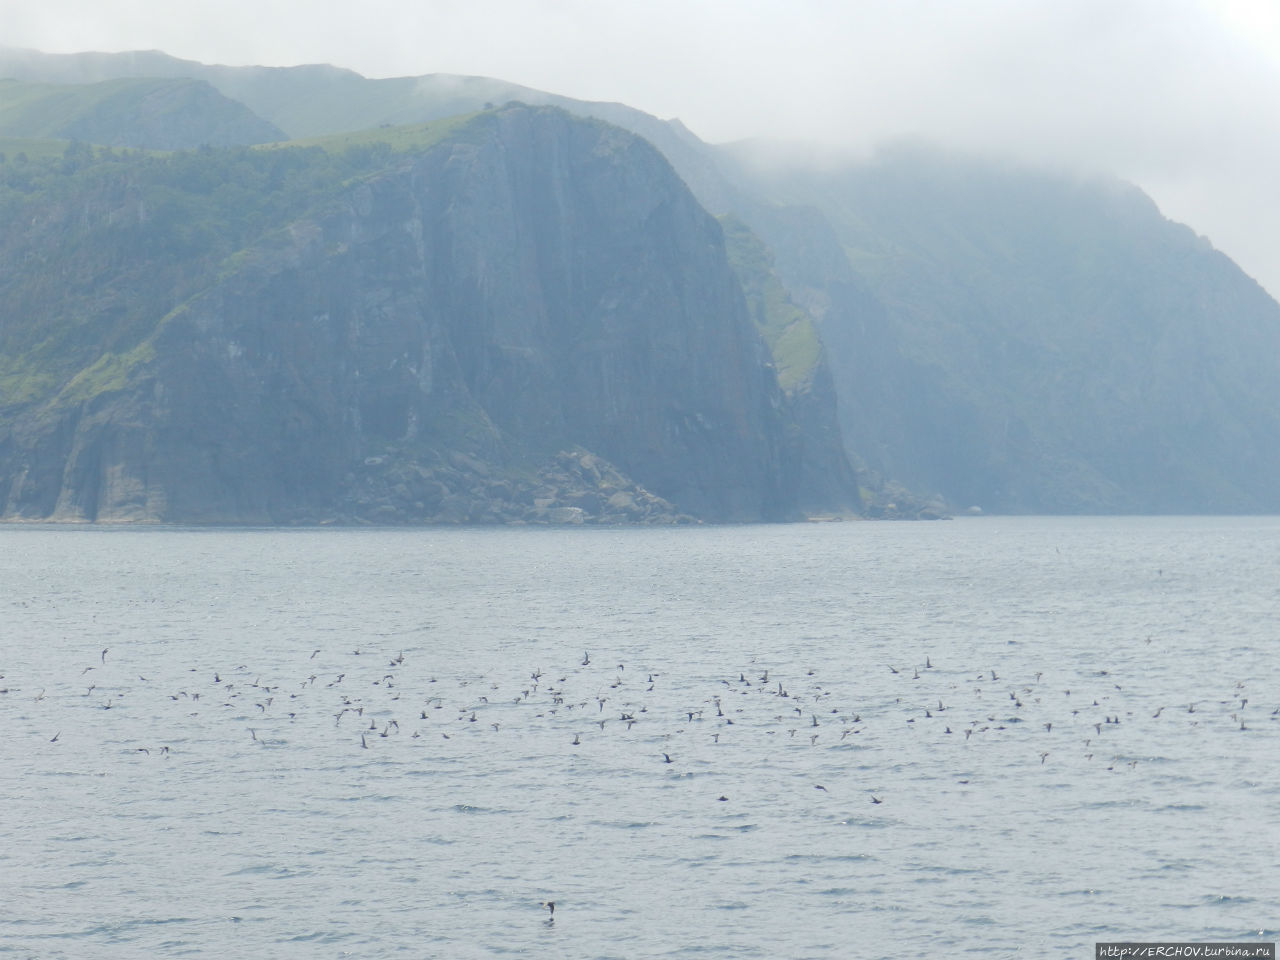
{"type": "Point", "coordinates": [987, 737]}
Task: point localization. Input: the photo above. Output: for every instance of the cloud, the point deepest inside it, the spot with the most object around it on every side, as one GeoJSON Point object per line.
{"type": "Point", "coordinates": [1177, 95]}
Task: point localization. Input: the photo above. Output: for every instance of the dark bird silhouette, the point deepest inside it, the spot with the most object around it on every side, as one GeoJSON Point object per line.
{"type": "Point", "coordinates": [551, 908]}
{"type": "Point", "coordinates": [875, 799]}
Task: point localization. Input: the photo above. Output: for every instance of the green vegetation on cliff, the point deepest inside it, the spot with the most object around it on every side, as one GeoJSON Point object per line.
{"type": "Point", "coordinates": [404, 324]}
{"type": "Point", "coordinates": [404, 138]}
{"type": "Point", "coordinates": [112, 241]}
{"type": "Point", "coordinates": [1027, 341]}
{"type": "Point", "coordinates": [998, 336]}
{"type": "Point", "coordinates": [787, 328]}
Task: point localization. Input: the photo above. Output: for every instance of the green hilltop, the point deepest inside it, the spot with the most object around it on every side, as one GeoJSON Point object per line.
{"type": "Point", "coordinates": [156, 113]}
{"type": "Point", "coordinates": [402, 138]}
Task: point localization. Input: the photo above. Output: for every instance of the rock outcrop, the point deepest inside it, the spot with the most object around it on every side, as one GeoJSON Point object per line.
{"type": "Point", "coordinates": [531, 320]}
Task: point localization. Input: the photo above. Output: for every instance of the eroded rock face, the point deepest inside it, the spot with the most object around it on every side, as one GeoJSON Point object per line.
{"type": "Point", "coordinates": [533, 285]}
{"type": "Point", "coordinates": [1029, 342]}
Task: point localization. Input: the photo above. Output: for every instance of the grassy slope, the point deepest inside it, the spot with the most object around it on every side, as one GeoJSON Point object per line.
{"type": "Point", "coordinates": [787, 329]}
{"type": "Point", "coordinates": [404, 138]}
{"type": "Point", "coordinates": [165, 113]}
{"type": "Point", "coordinates": [110, 243]}
{"type": "Point", "coordinates": [127, 238]}
{"type": "Point", "coordinates": [45, 110]}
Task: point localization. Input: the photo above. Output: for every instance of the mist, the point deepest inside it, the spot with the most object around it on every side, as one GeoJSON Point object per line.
{"type": "Point", "coordinates": [1177, 96]}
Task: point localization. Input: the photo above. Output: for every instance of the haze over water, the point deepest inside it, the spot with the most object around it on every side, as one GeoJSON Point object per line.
{"type": "Point", "coordinates": [362, 742]}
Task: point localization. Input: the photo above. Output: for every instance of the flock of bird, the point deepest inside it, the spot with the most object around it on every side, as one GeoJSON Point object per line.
{"type": "Point", "coordinates": [368, 699]}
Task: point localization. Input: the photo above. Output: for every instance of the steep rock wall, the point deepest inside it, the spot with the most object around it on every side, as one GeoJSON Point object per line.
{"type": "Point", "coordinates": [532, 284]}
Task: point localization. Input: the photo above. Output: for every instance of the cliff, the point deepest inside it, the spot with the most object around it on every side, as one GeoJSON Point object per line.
{"type": "Point", "coordinates": [979, 333]}
{"type": "Point", "coordinates": [1028, 341]}
{"type": "Point", "coordinates": [525, 316]}
{"type": "Point", "coordinates": [826, 479]}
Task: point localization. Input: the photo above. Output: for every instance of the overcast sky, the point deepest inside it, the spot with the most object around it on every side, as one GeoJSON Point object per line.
{"type": "Point", "coordinates": [1180, 96]}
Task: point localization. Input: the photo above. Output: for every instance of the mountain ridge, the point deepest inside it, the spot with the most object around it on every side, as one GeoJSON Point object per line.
{"type": "Point", "coordinates": [388, 355]}
{"type": "Point", "coordinates": [995, 336]}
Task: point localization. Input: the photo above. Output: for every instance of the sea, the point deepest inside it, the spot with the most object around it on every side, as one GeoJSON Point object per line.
{"type": "Point", "coordinates": [985, 737]}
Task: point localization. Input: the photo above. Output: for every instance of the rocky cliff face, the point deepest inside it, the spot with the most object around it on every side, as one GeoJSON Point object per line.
{"type": "Point", "coordinates": [531, 316]}
{"type": "Point", "coordinates": [993, 336]}
{"type": "Point", "coordinates": [1030, 342]}
{"type": "Point", "coordinates": [827, 482]}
